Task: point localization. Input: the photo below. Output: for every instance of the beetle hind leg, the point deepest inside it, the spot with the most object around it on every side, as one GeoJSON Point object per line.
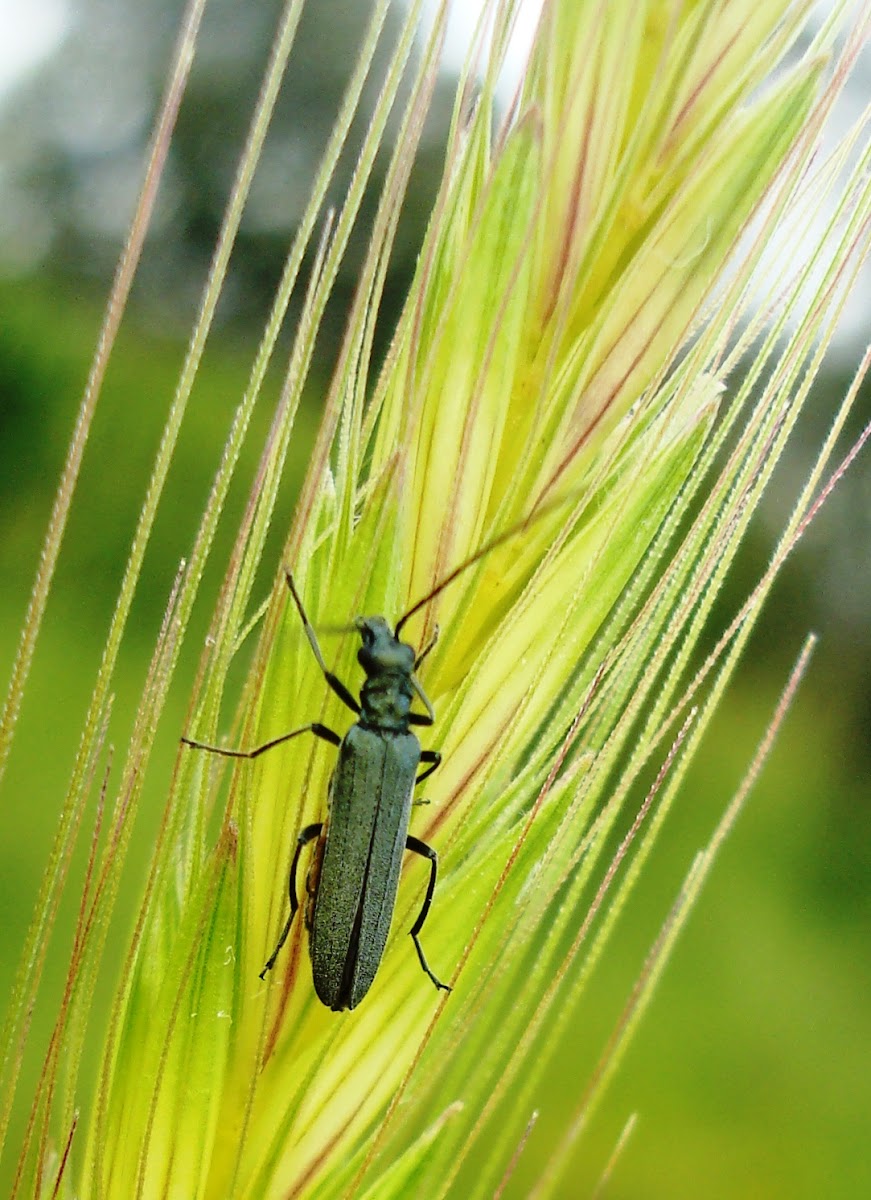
{"type": "Point", "coordinates": [307, 835]}
{"type": "Point", "coordinates": [427, 852]}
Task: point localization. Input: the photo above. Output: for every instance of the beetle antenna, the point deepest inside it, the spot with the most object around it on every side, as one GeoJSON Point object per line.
{"type": "Point", "coordinates": [506, 535]}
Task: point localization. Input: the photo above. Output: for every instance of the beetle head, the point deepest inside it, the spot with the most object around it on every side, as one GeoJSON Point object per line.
{"type": "Point", "coordinates": [381, 649]}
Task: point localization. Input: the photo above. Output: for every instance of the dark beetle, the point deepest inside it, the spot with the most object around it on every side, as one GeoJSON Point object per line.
{"type": "Point", "coordinates": [353, 880]}
{"type": "Point", "coordinates": [355, 874]}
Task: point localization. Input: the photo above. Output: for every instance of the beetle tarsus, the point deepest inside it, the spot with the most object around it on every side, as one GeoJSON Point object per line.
{"type": "Point", "coordinates": [444, 987]}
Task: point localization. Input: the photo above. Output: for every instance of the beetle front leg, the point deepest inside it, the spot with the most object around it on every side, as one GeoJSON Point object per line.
{"type": "Point", "coordinates": [344, 693]}
{"type": "Point", "coordinates": [429, 646]}
{"type": "Point", "coordinates": [307, 835]}
{"type": "Point", "coordinates": [421, 848]}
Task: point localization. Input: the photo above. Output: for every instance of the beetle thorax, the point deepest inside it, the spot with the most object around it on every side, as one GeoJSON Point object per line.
{"type": "Point", "coordinates": [387, 693]}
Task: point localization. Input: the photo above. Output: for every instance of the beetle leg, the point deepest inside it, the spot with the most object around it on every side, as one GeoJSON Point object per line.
{"type": "Point", "coordinates": [316, 728]}
{"type": "Point", "coordinates": [425, 651]}
{"type": "Point", "coordinates": [428, 756]}
{"type": "Point", "coordinates": [419, 847]}
{"type": "Point", "coordinates": [427, 718]}
{"type": "Point", "coordinates": [307, 835]}
{"type": "Point", "coordinates": [344, 694]}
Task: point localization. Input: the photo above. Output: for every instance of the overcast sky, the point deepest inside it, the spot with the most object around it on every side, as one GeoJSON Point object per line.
{"type": "Point", "coordinates": [32, 29]}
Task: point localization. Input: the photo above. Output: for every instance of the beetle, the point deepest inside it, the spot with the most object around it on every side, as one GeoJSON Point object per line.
{"type": "Point", "coordinates": [353, 881]}
{"type": "Point", "coordinates": [352, 884]}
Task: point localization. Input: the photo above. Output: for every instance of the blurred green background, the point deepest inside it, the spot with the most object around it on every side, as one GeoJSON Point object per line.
{"type": "Point", "coordinates": [751, 1073]}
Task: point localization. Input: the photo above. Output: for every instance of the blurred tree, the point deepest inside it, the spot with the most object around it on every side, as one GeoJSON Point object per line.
{"type": "Point", "coordinates": [74, 133]}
